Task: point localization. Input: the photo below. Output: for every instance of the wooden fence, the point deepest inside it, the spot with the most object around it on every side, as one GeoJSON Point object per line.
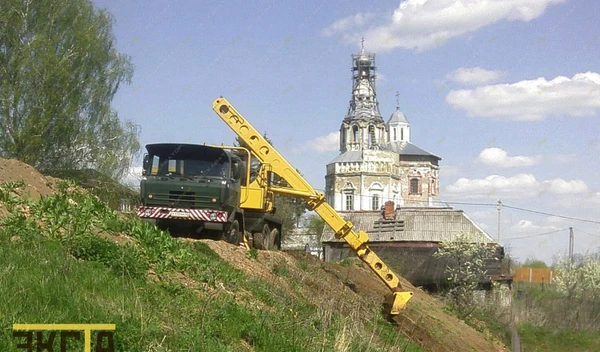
{"type": "Point", "coordinates": [537, 275]}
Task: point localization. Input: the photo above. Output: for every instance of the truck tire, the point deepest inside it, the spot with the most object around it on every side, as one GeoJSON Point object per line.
{"type": "Point", "coordinates": [232, 234]}
{"type": "Point", "coordinates": [265, 240]}
{"type": "Point", "coordinates": [274, 236]}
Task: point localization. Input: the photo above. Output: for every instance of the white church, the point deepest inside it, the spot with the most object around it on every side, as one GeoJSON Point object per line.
{"type": "Point", "coordinates": [378, 162]}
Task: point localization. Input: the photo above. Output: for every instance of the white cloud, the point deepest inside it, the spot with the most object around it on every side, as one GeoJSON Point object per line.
{"type": "Point", "coordinates": [517, 186]}
{"type": "Point", "coordinates": [529, 225]}
{"type": "Point", "coordinates": [328, 143]}
{"type": "Point", "coordinates": [473, 75]}
{"type": "Point", "coordinates": [594, 197]}
{"type": "Point", "coordinates": [532, 99]}
{"type": "Point", "coordinates": [560, 186]}
{"type": "Point", "coordinates": [423, 24]}
{"type": "Point", "coordinates": [497, 157]}
{"type": "Point", "coordinates": [346, 23]}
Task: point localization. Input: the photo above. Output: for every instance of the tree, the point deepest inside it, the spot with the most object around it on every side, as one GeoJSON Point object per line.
{"type": "Point", "coordinates": [59, 71]}
{"type": "Point", "coordinates": [535, 263]}
{"type": "Point", "coordinates": [316, 225]}
{"type": "Point", "coordinates": [466, 259]}
{"type": "Point", "coordinates": [580, 279]}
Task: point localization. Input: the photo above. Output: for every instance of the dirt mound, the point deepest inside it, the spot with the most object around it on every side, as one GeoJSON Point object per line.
{"type": "Point", "coordinates": [297, 276]}
{"type": "Point", "coordinates": [425, 320]}
{"type": "Point", "coordinates": [356, 289]}
{"type": "Point", "coordinates": [36, 184]}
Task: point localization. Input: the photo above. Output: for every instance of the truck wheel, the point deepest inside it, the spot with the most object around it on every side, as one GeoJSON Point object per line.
{"type": "Point", "coordinates": [274, 235]}
{"type": "Point", "coordinates": [232, 235]}
{"type": "Point", "coordinates": [265, 240]}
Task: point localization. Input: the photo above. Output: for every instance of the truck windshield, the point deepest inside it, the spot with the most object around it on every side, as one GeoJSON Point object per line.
{"type": "Point", "coordinates": [168, 166]}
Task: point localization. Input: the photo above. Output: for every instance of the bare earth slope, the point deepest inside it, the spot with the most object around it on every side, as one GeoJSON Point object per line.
{"type": "Point", "coordinates": [37, 185]}
{"type": "Point", "coordinates": [357, 290]}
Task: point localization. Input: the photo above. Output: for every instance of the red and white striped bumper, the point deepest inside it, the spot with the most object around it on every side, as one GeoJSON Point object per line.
{"type": "Point", "coordinates": [208, 215]}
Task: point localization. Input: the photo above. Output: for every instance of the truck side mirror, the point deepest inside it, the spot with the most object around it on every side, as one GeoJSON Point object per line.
{"type": "Point", "coordinates": [146, 162]}
{"type": "Point", "coordinates": [236, 171]}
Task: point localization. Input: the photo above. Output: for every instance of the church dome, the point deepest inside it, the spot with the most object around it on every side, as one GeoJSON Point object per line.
{"type": "Point", "coordinates": [397, 117]}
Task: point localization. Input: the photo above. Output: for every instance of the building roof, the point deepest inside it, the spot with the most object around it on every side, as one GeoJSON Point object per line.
{"type": "Point", "coordinates": [407, 148]}
{"type": "Point", "coordinates": [348, 157]}
{"type": "Point", "coordinates": [397, 117]}
{"type": "Point", "coordinates": [412, 225]}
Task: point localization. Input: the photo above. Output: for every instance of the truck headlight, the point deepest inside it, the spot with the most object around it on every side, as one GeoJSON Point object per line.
{"type": "Point", "coordinates": [150, 196]}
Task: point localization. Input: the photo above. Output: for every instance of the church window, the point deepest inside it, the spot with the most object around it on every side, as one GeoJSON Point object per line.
{"type": "Point", "coordinates": [414, 186]}
{"type": "Point", "coordinates": [371, 135]}
{"type": "Point", "coordinates": [402, 134]}
{"type": "Point", "coordinates": [349, 201]}
{"type": "Point", "coordinates": [375, 202]}
{"type": "Point", "coordinates": [395, 137]}
{"type": "Point", "coordinates": [355, 133]}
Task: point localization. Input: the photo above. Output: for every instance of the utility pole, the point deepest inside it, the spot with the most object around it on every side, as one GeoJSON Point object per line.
{"type": "Point", "coordinates": [571, 244]}
{"type": "Point", "coordinates": [499, 219]}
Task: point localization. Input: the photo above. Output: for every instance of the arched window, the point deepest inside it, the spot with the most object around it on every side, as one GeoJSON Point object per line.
{"type": "Point", "coordinates": [395, 136]}
{"type": "Point", "coordinates": [375, 202]}
{"type": "Point", "coordinates": [372, 139]}
{"type": "Point", "coordinates": [414, 186]}
{"type": "Point", "coordinates": [402, 134]}
{"type": "Point", "coordinates": [355, 133]}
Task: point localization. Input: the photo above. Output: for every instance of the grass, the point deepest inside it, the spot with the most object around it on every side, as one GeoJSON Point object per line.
{"type": "Point", "coordinates": [542, 321]}
{"type": "Point", "coordinates": [538, 339]}
{"type": "Point", "coordinates": [552, 322]}
{"type": "Point", "coordinates": [60, 263]}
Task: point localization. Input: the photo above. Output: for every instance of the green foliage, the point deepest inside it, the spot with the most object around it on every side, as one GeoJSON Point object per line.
{"type": "Point", "coordinates": [535, 263]}
{"type": "Point", "coordinates": [466, 260]}
{"type": "Point", "coordinates": [289, 210]}
{"type": "Point", "coordinates": [579, 280]}
{"type": "Point", "coordinates": [346, 262]}
{"type": "Point", "coordinates": [316, 225]}
{"type": "Point", "coordinates": [539, 339]}
{"type": "Point", "coordinates": [281, 269]}
{"type": "Point", "coordinates": [550, 320]}
{"type": "Point", "coordinates": [105, 188]}
{"type": "Point", "coordinates": [60, 72]}
{"type": "Point", "coordinates": [252, 254]}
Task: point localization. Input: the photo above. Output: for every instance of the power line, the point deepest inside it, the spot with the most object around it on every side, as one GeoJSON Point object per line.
{"type": "Point", "coordinates": [550, 214]}
{"type": "Point", "coordinates": [536, 235]}
{"type": "Point", "coordinates": [587, 233]}
{"type": "Point", "coordinates": [507, 206]}
{"type": "Point", "coordinates": [469, 203]}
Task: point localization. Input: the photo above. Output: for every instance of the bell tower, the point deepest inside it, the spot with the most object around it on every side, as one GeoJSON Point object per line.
{"type": "Point", "coordinates": [363, 127]}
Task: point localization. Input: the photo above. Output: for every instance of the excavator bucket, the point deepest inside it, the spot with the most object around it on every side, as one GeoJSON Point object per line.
{"type": "Point", "coordinates": [399, 301]}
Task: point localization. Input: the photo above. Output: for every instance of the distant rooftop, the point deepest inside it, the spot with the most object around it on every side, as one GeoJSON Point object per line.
{"type": "Point", "coordinates": [407, 148]}
{"type": "Point", "coordinates": [412, 225]}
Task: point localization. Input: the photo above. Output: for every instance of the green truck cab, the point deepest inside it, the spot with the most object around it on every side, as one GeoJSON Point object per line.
{"type": "Point", "coordinates": [195, 191]}
{"type": "Point", "coordinates": [189, 187]}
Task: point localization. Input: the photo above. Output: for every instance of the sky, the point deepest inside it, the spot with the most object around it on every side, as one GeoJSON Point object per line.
{"type": "Point", "coordinates": [507, 92]}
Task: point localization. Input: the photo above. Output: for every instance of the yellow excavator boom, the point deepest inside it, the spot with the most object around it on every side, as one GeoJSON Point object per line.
{"type": "Point", "coordinates": [299, 187]}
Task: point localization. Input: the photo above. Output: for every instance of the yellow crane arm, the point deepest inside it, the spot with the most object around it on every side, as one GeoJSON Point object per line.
{"type": "Point", "coordinates": [299, 187]}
